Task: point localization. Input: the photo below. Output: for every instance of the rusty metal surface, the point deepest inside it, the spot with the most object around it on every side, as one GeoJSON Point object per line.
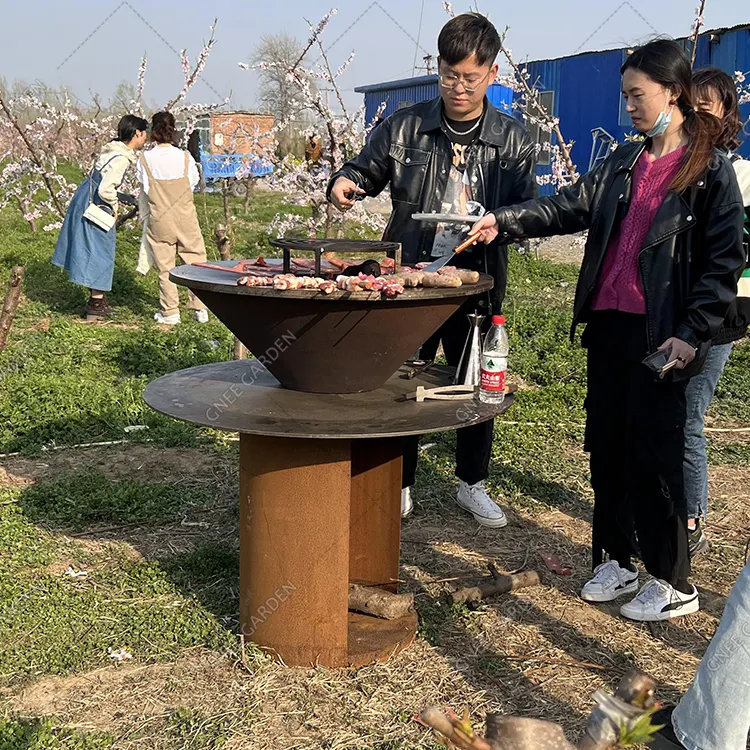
{"type": "Point", "coordinates": [317, 343]}
{"type": "Point", "coordinates": [200, 278]}
{"type": "Point", "coordinates": [244, 397]}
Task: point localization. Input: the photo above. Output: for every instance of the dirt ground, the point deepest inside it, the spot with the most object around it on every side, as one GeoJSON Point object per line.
{"type": "Point", "coordinates": [539, 652]}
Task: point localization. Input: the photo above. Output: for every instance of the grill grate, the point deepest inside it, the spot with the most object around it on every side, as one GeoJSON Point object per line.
{"type": "Point", "coordinates": [320, 246]}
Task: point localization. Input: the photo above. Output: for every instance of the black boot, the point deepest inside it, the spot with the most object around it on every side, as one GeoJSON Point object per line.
{"type": "Point", "coordinates": [665, 738]}
{"type": "Point", "coordinates": [97, 309]}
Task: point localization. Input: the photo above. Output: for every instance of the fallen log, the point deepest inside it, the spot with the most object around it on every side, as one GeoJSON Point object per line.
{"type": "Point", "coordinates": [382, 604]}
{"type": "Point", "coordinates": [623, 717]}
{"type": "Point", "coordinates": [10, 305]}
{"type": "Point", "coordinates": [497, 584]}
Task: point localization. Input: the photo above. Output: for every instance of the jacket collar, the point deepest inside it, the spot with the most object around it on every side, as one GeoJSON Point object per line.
{"type": "Point", "coordinates": [492, 130]}
{"type": "Point", "coordinates": [631, 156]}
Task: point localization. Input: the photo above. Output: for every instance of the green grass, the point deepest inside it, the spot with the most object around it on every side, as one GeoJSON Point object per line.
{"type": "Point", "coordinates": [63, 383]}
{"type": "Point", "coordinates": [35, 734]}
{"type": "Point", "coordinates": [80, 500]}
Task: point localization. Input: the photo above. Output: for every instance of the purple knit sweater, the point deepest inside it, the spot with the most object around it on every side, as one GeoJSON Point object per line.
{"type": "Point", "coordinates": [620, 286]}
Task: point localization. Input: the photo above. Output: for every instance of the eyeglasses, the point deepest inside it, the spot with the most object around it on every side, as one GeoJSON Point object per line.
{"type": "Point", "coordinates": [450, 81]}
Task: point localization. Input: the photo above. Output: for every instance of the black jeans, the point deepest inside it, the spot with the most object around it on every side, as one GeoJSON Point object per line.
{"type": "Point", "coordinates": [635, 436]}
{"type": "Point", "coordinates": [473, 444]}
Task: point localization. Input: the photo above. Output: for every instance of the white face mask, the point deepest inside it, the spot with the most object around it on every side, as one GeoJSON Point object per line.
{"type": "Point", "coordinates": [662, 121]}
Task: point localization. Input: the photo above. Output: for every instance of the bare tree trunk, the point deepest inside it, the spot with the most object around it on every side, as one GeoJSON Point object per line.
{"type": "Point", "coordinates": [329, 219]}
{"type": "Point", "coordinates": [249, 190]}
{"type": "Point", "coordinates": [12, 298]}
{"type": "Point", "coordinates": [225, 196]}
{"type": "Point", "coordinates": [239, 350]}
{"type": "Point", "coordinates": [127, 216]}
{"type": "Point", "coordinates": [23, 205]}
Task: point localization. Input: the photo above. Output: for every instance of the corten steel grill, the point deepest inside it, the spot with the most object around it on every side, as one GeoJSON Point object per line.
{"type": "Point", "coordinates": [320, 451]}
{"type": "Point", "coordinates": [344, 342]}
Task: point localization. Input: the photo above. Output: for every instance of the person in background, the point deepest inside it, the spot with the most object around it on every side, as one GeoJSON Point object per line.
{"type": "Point", "coordinates": [456, 154]}
{"type": "Point", "coordinates": [168, 176]}
{"type": "Point", "coordinates": [715, 93]}
{"type": "Point", "coordinates": [714, 714]}
{"type": "Point", "coordinates": [84, 249]}
{"type": "Point", "coordinates": [313, 151]}
{"type": "Point", "coordinates": [651, 208]}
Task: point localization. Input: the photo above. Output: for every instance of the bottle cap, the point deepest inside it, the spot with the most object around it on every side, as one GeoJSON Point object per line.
{"type": "Point", "coordinates": [498, 320]}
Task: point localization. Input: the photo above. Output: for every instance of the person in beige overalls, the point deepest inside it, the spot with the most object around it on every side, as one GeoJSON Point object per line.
{"type": "Point", "coordinates": [168, 175]}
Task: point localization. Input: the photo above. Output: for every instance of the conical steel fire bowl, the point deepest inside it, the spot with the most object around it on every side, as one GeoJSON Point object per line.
{"type": "Point", "coordinates": [337, 343]}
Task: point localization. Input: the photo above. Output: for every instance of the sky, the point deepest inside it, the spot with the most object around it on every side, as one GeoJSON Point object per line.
{"type": "Point", "coordinates": [92, 46]}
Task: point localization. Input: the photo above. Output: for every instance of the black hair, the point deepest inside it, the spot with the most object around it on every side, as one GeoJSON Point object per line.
{"type": "Point", "coordinates": [665, 62]}
{"type": "Point", "coordinates": [127, 127]}
{"type": "Point", "coordinates": [714, 83]}
{"type": "Point", "coordinates": [466, 35]}
{"type": "Point", "coordinates": [163, 127]}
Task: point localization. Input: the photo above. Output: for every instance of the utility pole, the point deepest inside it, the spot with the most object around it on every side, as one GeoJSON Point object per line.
{"type": "Point", "coordinates": [427, 65]}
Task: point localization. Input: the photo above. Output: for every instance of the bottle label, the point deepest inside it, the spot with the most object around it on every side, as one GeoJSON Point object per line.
{"type": "Point", "coordinates": [493, 372]}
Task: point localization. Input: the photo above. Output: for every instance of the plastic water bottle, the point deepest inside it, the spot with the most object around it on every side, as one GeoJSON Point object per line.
{"type": "Point", "coordinates": [494, 363]}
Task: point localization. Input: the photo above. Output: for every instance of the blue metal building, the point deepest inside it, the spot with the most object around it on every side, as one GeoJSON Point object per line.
{"type": "Point", "coordinates": [410, 91]}
{"type": "Point", "coordinates": [585, 93]}
{"type": "Point", "coordinates": [582, 90]}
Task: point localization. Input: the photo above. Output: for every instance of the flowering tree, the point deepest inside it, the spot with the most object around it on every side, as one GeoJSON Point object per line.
{"type": "Point", "coordinates": [38, 135]}
{"type": "Point", "coordinates": [562, 169]}
{"type": "Point", "coordinates": [342, 135]}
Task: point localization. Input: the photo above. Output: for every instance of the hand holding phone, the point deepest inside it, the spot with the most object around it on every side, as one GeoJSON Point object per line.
{"type": "Point", "coordinates": [659, 363]}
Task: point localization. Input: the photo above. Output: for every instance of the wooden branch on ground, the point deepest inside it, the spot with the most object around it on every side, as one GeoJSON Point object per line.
{"type": "Point", "coordinates": [497, 584]}
{"type": "Point", "coordinates": [452, 730]}
{"type": "Point", "coordinates": [382, 604]}
{"type": "Point", "coordinates": [624, 717]}
{"type": "Point", "coordinates": [10, 305]}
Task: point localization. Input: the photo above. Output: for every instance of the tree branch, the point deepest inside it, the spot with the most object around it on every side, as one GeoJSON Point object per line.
{"type": "Point", "coordinates": [34, 155]}
{"type": "Point", "coordinates": [548, 119]}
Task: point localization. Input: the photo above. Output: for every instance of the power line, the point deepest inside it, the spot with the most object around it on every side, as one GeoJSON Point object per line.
{"type": "Point", "coordinates": [419, 35]}
{"type": "Point", "coordinates": [610, 17]}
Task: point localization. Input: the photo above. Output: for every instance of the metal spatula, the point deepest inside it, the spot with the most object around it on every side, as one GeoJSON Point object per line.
{"type": "Point", "coordinates": [436, 265]}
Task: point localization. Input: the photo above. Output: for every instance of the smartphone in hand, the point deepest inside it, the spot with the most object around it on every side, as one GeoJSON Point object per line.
{"type": "Point", "coordinates": [659, 363]}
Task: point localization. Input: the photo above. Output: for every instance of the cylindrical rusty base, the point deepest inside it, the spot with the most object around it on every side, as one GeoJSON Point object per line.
{"type": "Point", "coordinates": [316, 514]}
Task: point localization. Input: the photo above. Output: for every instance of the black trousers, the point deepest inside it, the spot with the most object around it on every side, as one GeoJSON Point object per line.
{"type": "Point", "coordinates": [635, 436]}
{"type": "Point", "coordinates": [473, 444]}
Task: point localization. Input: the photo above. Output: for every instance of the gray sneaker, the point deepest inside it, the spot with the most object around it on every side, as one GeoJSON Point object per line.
{"type": "Point", "coordinates": [697, 541]}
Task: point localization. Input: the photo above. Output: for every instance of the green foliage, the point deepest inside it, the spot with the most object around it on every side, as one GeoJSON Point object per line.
{"type": "Point", "coordinates": [194, 730]}
{"type": "Point", "coordinates": [639, 732]}
{"type": "Point", "coordinates": [83, 499]}
{"type": "Point", "coordinates": [33, 734]}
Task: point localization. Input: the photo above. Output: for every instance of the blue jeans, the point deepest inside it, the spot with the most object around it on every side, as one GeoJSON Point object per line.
{"type": "Point", "coordinates": [700, 391]}
{"type": "Point", "coordinates": [714, 714]}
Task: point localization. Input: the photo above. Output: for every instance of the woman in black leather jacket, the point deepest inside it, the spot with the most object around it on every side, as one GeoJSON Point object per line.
{"type": "Point", "coordinates": [659, 273]}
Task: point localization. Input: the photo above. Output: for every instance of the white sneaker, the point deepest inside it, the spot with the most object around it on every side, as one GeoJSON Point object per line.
{"type": "Point", "coordinates": [407, 504]}
{"type": "Point", "coordinates": [657, 600]}
{"type": "Point", "coordinates": [167, 320]}
{"type": "Point", "coordinates": [474, 499]}
{"type": "Point", "coordinates": [609, 582]}
{"type": "Point", "coordinates": [201, 316]}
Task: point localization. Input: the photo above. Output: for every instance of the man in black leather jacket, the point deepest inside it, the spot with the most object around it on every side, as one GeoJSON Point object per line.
{"type": "Point", "coordinates": [454, 154]}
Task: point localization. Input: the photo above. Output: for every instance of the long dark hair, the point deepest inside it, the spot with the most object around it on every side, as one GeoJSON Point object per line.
{"type": "Point", "coordinates": [714, 84]}
{"type": "Point", "coordinates": [665, 62]}
{"type": "Point", "coordinates": [163, 127]}
{"type": "Point", "coordinates": [127, 127]}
